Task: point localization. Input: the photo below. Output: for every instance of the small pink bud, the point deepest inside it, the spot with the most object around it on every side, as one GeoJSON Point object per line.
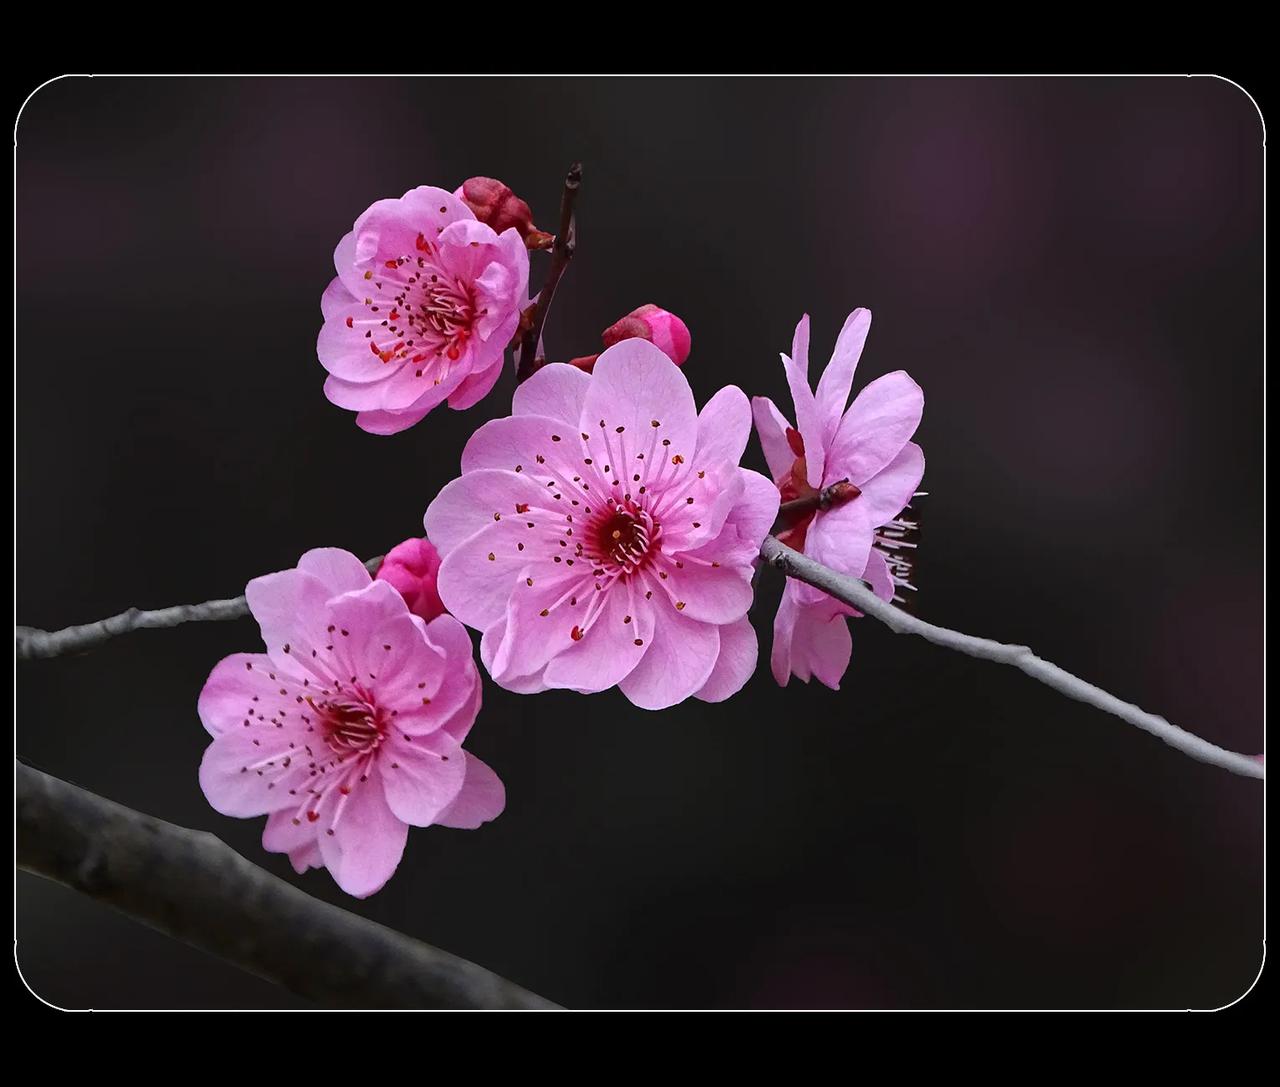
{"type": "Point", "coordinates": [495, 204]}
{"type": "Point", "coordinates": [661, 328]}
{"type": "Point", "coordinates": [411, 568]}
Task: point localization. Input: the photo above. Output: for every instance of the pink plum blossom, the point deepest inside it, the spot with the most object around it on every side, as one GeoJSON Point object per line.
{"type": "Point", "coordinates": [863, 534]}
{"type": "Point", "coordinates": [425, 302]}
{"type": "Point", "coordinates": [604, 534]}
{"type": "Point", "coordinates": [412, 567]}
{"type": "Point", "coordinates": [349, 729]}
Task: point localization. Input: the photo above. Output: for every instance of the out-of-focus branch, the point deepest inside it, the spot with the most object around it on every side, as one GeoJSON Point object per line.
{"type": "Point", "coordinates": [31, 642]}
{"type": "Point", "coordinates": [191, 886]}
{"type": "Point", "coordinates": [854, 593]}
{"type": "Point", "coordinates": [561, 254]}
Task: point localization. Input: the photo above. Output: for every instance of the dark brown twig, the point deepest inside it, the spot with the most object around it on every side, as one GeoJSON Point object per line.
{"type": "Point", "coordinates": [834, 495]}
{"type": "Point", "coordinates": [191, 886]}
{"type": "Point", "coordinates": [561, 254]}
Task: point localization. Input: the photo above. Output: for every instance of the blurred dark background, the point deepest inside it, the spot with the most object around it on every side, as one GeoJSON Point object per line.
{"type": "Point", "coordinates": [1071, 268]}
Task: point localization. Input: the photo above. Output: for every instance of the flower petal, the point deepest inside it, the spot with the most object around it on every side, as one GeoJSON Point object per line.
{"type": "Point", "coordinates": [368, 839]}
{"type": "Point", "coordinates": [724, 425]}
{"type": "Point", "coordinates": [874, 430]}
{"type": "Point", "coordinates": [735, 664]}
{"type": "Point", "coordinates": [557, 391]}
{"type": "Point", "coordinates": [481, 799]}
{"type": "Point", "coordinates": [633, 386]}
{"type": "Point", "coordinates": [677, 664]}
{"type": "Point", "coordinates": [886, 493]}
{"type": "Point", "coordinates": [837, 378]}
{"type": "Point", "coordinates": [608, 651]}
{"type": "Point", "coordinates": [771, 428]}
{"type": "Point", "coordinates": [421, 776]}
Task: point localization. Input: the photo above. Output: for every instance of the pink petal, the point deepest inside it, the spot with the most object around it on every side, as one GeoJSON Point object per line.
{"type": "Point", "coordinates": [889, 490]}
{"type": "Point", "coordinates": [367, 840]}
{"type": "Point", "coordinates": [677, 664]}
{"type": "Point", "coordinates": [291, 608]}
{"type": "Point", "coordinates": [489, 642]}
{"type": "Point", "coordinates": [468, 504]}
{"type": "Point", "coordinates": [481, 799]}
{"type": "Point", "coordinates": [633, 385]}
{"type": "Point", "coordinates": [735, 664]}
{"type": "Point", "coordinates": [841, 539]}
{"type": "Point", "coordinates": [231, 688]}
{"type": "Point", "coordinates": [744, 529]}
{"type": "Point", "coordinates": [516, 441]}
{"type": "Point", "coordinates": [339, 570]}
{"type": "Point", "coordinates": [810, 640]}
{"type": "Point", "coordinates": [808, 418]}
{"type": "Point", "coordinates": [244, 772]}
{"type": "Point", "coordinates": [422, 776]}
{"type": "Point", "coordinates": [298, 839]}
{"type": "Point", "coordinates": [474, 587]}
{"type": "Point", "coordinates": [771, 427]}
{"type": "Point", "coordinates": [874, 430]}
{"type": "Point", "coordinates": [724, 425]}
{"type": "Point", "coordinates": [877, 575]}
{"type": "Point", "coordinates": [557, 391]}
{"type": "Point", "coordinates": [703, 592]}
{"type": "Point", "coordinates": [607, 652]}
{"type": "Point", "coordinates": [837, 378]}
{"type": "Point", "coordinates": [532, 638]}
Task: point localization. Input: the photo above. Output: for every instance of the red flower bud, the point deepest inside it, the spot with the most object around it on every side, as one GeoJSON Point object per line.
{"type": "Point", "coordinates": [662, 329]}
{"type": "Point", "coordinates": [494, 203]}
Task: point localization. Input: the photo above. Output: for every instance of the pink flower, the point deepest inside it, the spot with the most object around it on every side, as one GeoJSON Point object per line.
{"type": "Point", "coordinates": [425, 303]}
{"type": "Point", "coordinates": [349, 728]}
{"type": "Point", "coordinates": [604, 534]}
{"type": "Point", "coordinates": [412, 567]}
{"type": "Point", "coordinates": [863, 535]}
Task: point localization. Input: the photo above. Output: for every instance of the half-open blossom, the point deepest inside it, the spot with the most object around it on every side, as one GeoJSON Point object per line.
{"type": "Point", "coordinates": [604, 533]}
{"type": "Point", "coordinates": [660, 327]}
{"type": "Point", "coordinates": [412, 567]}
{"type": "Point", "coordinates": [424, 305]}
{"type": "Point", "coordinates": [349, 729]}
{"type": "Point", "coordinates": [865, 532]}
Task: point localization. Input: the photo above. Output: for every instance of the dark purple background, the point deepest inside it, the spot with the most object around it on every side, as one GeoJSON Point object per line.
{"type": "Point", "coordinates": [1072, 269]}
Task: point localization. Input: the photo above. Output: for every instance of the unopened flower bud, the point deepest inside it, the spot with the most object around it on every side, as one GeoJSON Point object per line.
{"type": "Point", "coordinates": [411, 568]}
{"type": "Point", "coordinates": [495, 204]}
{"type": "Point", "coordinates": [585, 362]}
{"type": "Point", "coordinates": [661, 328]}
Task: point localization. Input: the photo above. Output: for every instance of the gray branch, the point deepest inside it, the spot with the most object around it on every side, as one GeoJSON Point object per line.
{"type": "Point", "coordinates": [189, 885]}
{"type": "Point", "coordinates": [39, 643]}
{"type": "Point", "coordinates": [853, 592]}
{"type": "Point", "coordinates": [32, 643]}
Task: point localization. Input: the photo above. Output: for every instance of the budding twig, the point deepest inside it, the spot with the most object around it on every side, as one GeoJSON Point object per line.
{"type": "Point", "coordinates": [31, 643]}
{"type": "Point", "coordinates": [854, 593]}
{"type": "Point", "coordinates": [561, 254]}
{"type": "Point", "coordinates": [835, 495]}
{"type": "Point", "coordinates": [189, 885]}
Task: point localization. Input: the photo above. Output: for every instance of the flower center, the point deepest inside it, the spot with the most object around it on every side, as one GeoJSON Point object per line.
{"type": "Point", "coordinates": [434, 308]}
{"type": "Point", "coordinates": [352, 725]}
{"type": "Point", "coordinates": [623, 536]}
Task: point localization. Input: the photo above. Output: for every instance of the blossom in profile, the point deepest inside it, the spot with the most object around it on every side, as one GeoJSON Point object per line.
{"type": "Point", "coordinates": [660, 327]}
{"type": "Point", "coordinates": [603, 534]}
{"type": "Point", "coordinates": [412, 567]}
{"type": "Point", "coordinates": [349, 728]}
{"type": "Point", "coordinates": [867, 531]}
{"type": "Point", "coordinates": [426, 300]}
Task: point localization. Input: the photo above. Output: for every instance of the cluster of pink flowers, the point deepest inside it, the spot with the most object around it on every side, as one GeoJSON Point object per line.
{"type": "Point", "coordinates": [604, 534]}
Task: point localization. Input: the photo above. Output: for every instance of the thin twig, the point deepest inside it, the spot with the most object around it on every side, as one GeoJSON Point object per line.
{"type": "Point", "coordinates": [856, 594]}
{"type": "Point", "coordinates": [39, 643]}
{"type": "Point", "coordinates": [561, 254]}
{"type": "Point", "coordinates": [31, 642]}
{"type": "Point", "coordinates": [836, 494]}
{"type": "Point", "coordinates": [189, 885]}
